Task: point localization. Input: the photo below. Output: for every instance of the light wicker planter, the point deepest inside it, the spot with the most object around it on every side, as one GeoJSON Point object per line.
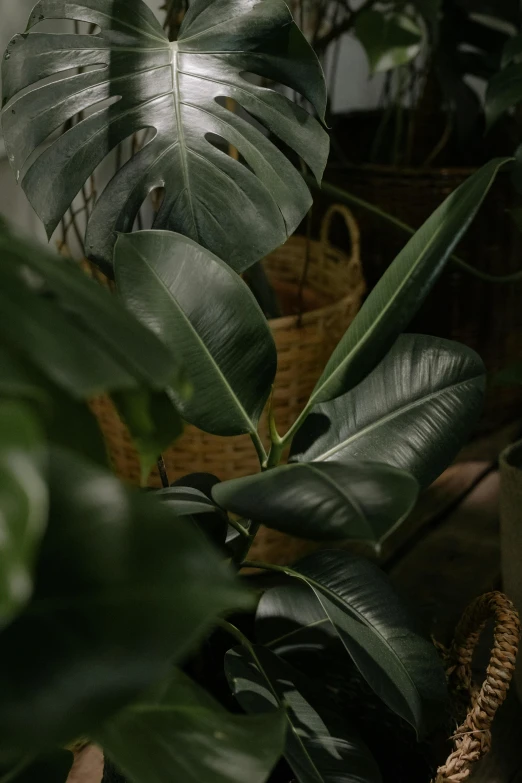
{"type": "Point", "coordinates": [332, 297]}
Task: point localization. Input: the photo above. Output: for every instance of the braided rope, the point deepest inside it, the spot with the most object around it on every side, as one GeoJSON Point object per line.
{"type": "Point", "coordinates": [472, 739]}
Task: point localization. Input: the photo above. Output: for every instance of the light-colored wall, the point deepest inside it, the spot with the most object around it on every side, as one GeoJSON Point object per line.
{"type": "Point", "coordinates": [352, 89]}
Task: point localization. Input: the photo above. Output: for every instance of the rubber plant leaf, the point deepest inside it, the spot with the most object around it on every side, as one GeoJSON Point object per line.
{"type": "Point", "coordinates": [414, 411]}
{"type": "Point", "coordinates": [399, 664]}
{"type": "Point", "coordinates": [324, 500]}
{"type": "Point", "coordinates": [131, 78]}
{"type": "Point", "coordinates": [207, 315]}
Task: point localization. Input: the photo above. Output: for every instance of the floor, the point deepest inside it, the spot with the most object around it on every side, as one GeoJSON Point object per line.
{"type": "Point", "coordinates": [447, 554]}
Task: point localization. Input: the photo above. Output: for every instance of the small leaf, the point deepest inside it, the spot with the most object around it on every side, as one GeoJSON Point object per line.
{"type": "Point", "coordinates": [123, 589]}
{"type": "Point", "coordinates": [399, 664]}
{"type": "Point", "coordinates": [390, 39]}
{"type": "Point", "coordinates": [414, 411]}
{"type": "Point", "coordinates": [23, 504]}
{"type": "Point", "coordinates": [182, 734]}
{"type": "Point", "coordinates": [153, 422]}
{"type": "Point", "coordinates": [182, 291]}
{"type": "Point", "coordinates": [403, 287]}
{"type": "Point", "coordinates": [320, 747]}
{"type": "Point", "coordinates": [324, 501]}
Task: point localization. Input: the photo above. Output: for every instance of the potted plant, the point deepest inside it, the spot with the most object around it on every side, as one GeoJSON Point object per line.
{"type": "Point", "coordinates": [424, 139]}
{"type": "Point", "coordinates": [387, 415]}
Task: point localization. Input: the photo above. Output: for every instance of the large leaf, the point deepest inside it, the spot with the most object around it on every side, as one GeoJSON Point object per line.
{"type": "Point", "coordinates": [180, 734]}
{"type": "Point", "coordinates": [389, 39]}
{"type": "Point", "coordinates": [23, 503]}
{"type": "Point", "coordinates": [238, 211]}
{"type": "Point", "coordinates": [206, 314]}
{"type": "Point", "coordinates": [324, 501]}
{"type": "Point", "coordinates": [320, 747]}
{"type": "Point", "coordinates": [123, 588]}
{"type": "Point", "coordinates": [72, 329]}
{"type": "Point", "coordinates": [403, 287]}
{"type": "Point", "coordinates": [414, 411]}
{"type": "Point", "coordinates": [400, 665]}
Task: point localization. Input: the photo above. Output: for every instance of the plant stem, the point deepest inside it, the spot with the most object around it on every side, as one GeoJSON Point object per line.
{"type": "Point", "coordinates": [260, 449]}
{"type": "Point", "coordinates": [349, 198]}
{"type": "Point", "coordinates": [236, 633]}
{"type": "Point", "coordinates": [239, 527]}
{"type": "Point", "coordinates": [163, 472]}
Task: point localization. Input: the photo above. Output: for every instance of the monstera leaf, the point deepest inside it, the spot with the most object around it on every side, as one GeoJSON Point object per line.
{"type": "Point", "coordinates": [130, 77]}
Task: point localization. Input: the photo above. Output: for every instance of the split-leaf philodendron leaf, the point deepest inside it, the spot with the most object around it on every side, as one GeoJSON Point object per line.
{"type": "Point", "coordinates": [132, 78]}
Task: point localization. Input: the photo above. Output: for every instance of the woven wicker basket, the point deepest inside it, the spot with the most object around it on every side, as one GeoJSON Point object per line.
{"type": "Point", "coordinates": [332, 297]}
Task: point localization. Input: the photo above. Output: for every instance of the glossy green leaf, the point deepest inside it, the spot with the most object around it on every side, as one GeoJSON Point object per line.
{"type": "Point", "coordinates": [324, 501]}
{"type": "Point", "coordinates": [399, 664]}
{"type": "Point", "coordinates": [51, 767]}
{"type": "Point", "coordinates": [414, 411]}
{"type": "Point", "coordinates": [504, 91]}
{"type": "Point", "coordinates": [181, 733]}
{"type": "Point", "coordinates": [320, 747]}
{"type": "Point", "coordinates": [403, 287]}
{"type": "Point", "coordinates": [123, 589]}
{"type": "Point", "coordinates": [153, 422]}
{"type": "Point", "coordinates": [72, 329]}
{"type": "Point", "coordinates": [206, 314]}
{"type": "Point", "coordinates": [389, 39]}
{"type": "Point", "coordinates": [176, 89]}
{"type": "Point", "coordinates": [23, 504]}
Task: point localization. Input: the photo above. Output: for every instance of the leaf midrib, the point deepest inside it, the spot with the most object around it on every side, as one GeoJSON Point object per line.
{"type": "Point", "coordinates": [229, 389]}
{"type": "Point", "coordinates": [181, 135]}
{"type": "Point", "coordinates": [393, 414]}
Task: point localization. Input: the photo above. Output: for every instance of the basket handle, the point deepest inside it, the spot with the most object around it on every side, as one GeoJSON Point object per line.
{"type": "Point", "coordinates": [472, 739]}
{"type": "Point", "coordinates": [351, 225]}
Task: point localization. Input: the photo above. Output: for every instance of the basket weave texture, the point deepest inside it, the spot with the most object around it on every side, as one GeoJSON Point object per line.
{"type": "Point", "coordinates": [334, 289]}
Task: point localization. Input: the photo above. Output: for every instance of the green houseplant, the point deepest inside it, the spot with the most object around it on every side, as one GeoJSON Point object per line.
{"type": "Point", "coordinates": [423, 140]}
{"type": "Point", "coordinates": [387, 415]}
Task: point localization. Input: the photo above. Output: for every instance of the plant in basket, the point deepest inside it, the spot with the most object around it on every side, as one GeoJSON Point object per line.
{"type": "Point", "coordinates": [154, 642]}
